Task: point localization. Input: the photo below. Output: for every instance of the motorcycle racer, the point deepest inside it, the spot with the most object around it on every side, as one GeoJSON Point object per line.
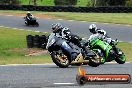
{"type": "Point", "coordinates": [100, 33]}
{"type": "Point", "coordinates": [29, 16]}
{"type": "Point", "coordinates": [65, 33]}
{"type": "Point", "coordinates": [31, 20]}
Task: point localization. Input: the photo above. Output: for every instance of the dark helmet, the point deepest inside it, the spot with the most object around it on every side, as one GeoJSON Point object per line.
{"type": "Point", "coordinates": [56, 27]}
{"type": "Point", "coordinates": [93, 28]}
{"type": "Point", "coordinates": [28, 14]}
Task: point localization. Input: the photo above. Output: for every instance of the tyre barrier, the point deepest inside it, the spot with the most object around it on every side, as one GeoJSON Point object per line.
{"type": "Point", "coordinates": [110, 9]}
{"type": "Point", "coordinates": [37, 41]}
{"type": "Point", "coordinates": [43, 41]}
{"type": "Point", "coordinates": [29, 39]}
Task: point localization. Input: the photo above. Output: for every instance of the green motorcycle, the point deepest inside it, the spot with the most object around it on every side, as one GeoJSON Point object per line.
{"type": "Point", "coordinates": [107, 52]}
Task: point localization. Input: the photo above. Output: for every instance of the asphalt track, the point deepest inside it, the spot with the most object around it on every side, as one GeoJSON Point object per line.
{"type": "Point", "coordinates": [49, 75]}
{"type": "Point", "coordinates": [121, 32]}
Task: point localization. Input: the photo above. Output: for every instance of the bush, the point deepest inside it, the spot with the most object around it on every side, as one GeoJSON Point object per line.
{"type": "Point", "coordinates": [129, 3]}
{"type": "Point", "coordinates": [108, 2]}
{"type": "Point", "coordinates": [65, 2]}
{"type": "Point", "coordinates": [89, 3]}
{"type": "Point", "coordinates": [117, 2]}
{"type": "Point", "coordinates": [9, 1]}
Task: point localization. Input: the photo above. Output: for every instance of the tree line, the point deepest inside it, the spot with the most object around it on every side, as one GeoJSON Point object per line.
{"type": "Point", "coordinates": [108, 2]}
{"type": "Point", "coordinates": [74, 2]}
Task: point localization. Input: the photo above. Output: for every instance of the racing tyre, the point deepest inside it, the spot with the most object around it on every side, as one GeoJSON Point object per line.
{"type": "Point", "coordinates": [99, 52]}
{"type": "Point", "coordinates": [36, 41]}
{"type": "Point", "coordinates": [121, 57]}
{"type": "Point", "coordinates": [95, 61]}
{"type": "Point", "coordinates": [37, 24]}
{"type": "Point", "coordinates": [29, 40]}
{"type": "Point", "coordinates": [26, 23]}
{"type": "Point", "coordinates": [60, 59]}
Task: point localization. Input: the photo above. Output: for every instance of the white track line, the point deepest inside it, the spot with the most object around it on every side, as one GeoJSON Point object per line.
{"type": "Point", "coordinates": [76, 20]}
{"type": "Point", "coordinates": [19, 29]}
{"type": "Point", "coordinates": [49, 64]}
{"type": "Point", "coordinates": [92, 22]}
{"type": "Point", "coordinates": [1, 26]}
{"type": "Point", "coordinates": [28, 64]}
{"type": "Point", "coordinates": [63, 83]}
{"type": "Point", "coordinates": [116, 62]}
{"type": "Point", "coordinates": [37, 31]}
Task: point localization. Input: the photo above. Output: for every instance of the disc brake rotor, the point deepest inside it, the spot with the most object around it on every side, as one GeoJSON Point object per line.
{"type": "Point", "coordinates": [96, 59]}
{"type": "Point", "coordinates": [62, 58]}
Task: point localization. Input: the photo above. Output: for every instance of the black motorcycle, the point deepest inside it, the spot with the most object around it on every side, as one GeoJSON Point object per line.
{"type": "Point", "coordinates": [32, 21]}
{"type": "Point", "coordinates": [65, 53]}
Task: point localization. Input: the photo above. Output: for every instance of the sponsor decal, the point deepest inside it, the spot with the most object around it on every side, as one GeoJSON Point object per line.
{"type": "Point", "coordinates": [83, 78]}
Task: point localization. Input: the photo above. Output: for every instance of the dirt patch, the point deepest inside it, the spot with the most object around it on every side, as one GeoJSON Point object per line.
{"type": "Point", "coordinates": [40, 15]}
{"type": "Point", "coordinates": [30, 51]}
{"type": "Point", "coordinates": [35, 52]}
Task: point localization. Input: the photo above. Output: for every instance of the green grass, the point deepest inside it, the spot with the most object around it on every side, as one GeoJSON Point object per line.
{"type": "Point", "coordinates": [51, 2]}
{"type": "Point", "coordinates": [14, 38]}
{"type": "Point", "coordinates": [11, 39]}
{"type": "Point", "coordinates": [21, 59]}
{"type": "Point", "coordinates": [126, 48]}
{"type": "Point", "coordinates": [120, 18]}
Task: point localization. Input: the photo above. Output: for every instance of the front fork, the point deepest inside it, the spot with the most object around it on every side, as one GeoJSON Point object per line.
{"type": "Point", "coordinates": [116, 52]}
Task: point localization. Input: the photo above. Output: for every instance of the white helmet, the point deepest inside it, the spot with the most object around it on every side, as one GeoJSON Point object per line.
{"type": "Point", "coordinates": [28, 13]}
{"type": "Point", "coordinates": [93, 28]}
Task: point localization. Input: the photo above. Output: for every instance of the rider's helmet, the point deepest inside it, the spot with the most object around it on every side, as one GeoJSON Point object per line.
{"type": "Point", "coordinates": [29, 14]}
{"type": "Point", "coordinates": [56, 27]}
{"type": "Point", "coordinates": [93, 28]}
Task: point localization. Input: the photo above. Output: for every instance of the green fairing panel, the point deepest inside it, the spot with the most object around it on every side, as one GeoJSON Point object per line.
{"type": "Point", "coordinates": [103, 45]}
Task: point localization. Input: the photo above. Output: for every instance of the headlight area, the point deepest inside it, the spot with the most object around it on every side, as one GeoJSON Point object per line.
{"type": "Point", "coordinates": [51, 42]}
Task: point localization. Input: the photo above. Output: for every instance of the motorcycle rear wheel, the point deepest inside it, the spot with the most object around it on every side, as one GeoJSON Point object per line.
{"type": "Point", "coordinates": [60, 59]}
{"type": "Point", "coordinates": [100, 55]}
{"type": "Point", "coordinates": [95, 61]}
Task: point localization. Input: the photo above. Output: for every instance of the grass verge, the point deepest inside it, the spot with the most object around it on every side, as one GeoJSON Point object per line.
{"type": "Point", "coordinates": [13, 45]}
{"type": "Point", "coordinates": [13, 48]}
{"type": "Point", "coordinates": [117, 18]}
{"type": "Point", "coordinates": [126, 48]}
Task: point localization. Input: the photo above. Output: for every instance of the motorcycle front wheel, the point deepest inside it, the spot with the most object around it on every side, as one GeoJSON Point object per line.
{"type": "Point", "coordinates": [60, 59]}
{"type": "Point", "coordinates": [26, 23]}
{"type": "Point", "coordinates": [37, 24]}
{"type": "Point", "coordinates": [121, 59]}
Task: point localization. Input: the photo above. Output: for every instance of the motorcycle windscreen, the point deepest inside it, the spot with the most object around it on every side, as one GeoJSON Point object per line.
{"type": "Point", "coordinates": [66, 46]}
